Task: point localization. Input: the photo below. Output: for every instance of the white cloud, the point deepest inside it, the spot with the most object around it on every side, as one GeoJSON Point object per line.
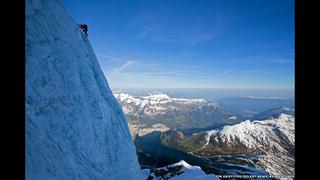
{"type": "Point", "coordinates": [110, 58]}
{"type": "Point", "coordinates": [122, 67]}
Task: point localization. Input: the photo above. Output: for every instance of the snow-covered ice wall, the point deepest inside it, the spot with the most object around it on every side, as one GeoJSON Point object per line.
{"type": "Point", "coordinates": [75, 128]}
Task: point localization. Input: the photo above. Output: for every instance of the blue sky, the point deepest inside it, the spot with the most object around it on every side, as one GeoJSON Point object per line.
{"type": "Point", "coordinates": [191, 43]}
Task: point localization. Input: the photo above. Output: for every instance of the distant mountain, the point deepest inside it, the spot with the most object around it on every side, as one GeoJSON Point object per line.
{"type": "Point", "coordinates": [274, 113]}
{"type": "Point", "coordinates": [249, 106]}
{"type": "Point", "coordinates": [167, 112]}
{"type": "Point", "coordinates": [267, 144]}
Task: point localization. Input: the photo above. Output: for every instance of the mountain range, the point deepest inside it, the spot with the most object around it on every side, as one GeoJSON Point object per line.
{"type": "Point", "coordinates": [265, 144]}
{"type": "Point", "coordinates": [274, 113]}
{"type": "Point", "coordinates": [143, 112]}
{"type": "Point", "coordinates": [248, 106]}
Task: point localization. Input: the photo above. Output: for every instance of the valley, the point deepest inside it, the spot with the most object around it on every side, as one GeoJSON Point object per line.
{"type": "Point", "coordinates": [211, 135]}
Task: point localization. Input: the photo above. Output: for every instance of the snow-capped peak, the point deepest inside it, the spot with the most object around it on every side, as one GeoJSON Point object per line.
{"type": "Point", "coordinates": [182, 171]}
{"type": "Point", "coordinates": [157, 97]}
{"type": "Point", "coordinates": [156, 102]}
{"type": "Point", "coordinates": [159, 94]}
{"type": "Point", "coordinates": [154, 98]}
{"type": "Point", "coordinates": [192, 172]}
{"type": "Point", "coordinates": [251, 133]}
{"type": "Point", "coordinates": [185, 164]}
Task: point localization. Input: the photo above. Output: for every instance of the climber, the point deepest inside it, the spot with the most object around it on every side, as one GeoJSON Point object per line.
{"type": "Point", "coordinates": [84, 28]}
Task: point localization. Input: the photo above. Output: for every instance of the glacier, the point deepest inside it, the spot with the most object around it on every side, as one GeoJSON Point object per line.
{"type": "Point", "coordinates": [75, 129]}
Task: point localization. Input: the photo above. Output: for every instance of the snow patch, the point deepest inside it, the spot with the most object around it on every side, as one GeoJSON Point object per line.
{"type": "Point", "coordinates": [187, 172]}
